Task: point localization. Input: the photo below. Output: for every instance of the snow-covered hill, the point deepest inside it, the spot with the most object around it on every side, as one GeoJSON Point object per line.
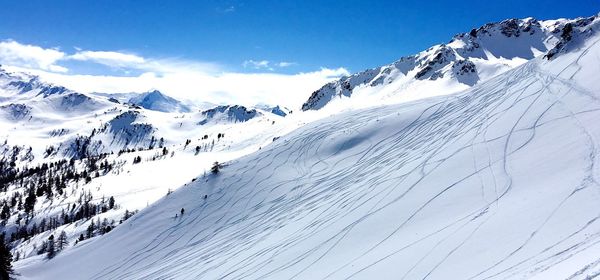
{"type": "Point", "coordinates": [496, 182]}
{"type": "Point", "coordinates": [468, 59]}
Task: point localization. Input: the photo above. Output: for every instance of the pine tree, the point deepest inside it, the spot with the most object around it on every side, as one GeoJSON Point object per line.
{"type": "Point", "coordinates": [51, 250]}
{"type": "Point", "coordinates": [43, 248]}
{"type": "Point", "coordinates": [90, 230]}
{"type": "Point", "coordinates": [111, 203]}
{"type": "Point", "coordinates": [5, 259]}
{"type": "Point", "coordinates": [215, 168]}
{"type": "Point", "coordinates": [5, 214]}
{"type": "Point", "coordinates": [30, 201]}
{"type": "Point", "coordinates": [62, 242]}
{"type": "Point", "coordinates": [126, 216]}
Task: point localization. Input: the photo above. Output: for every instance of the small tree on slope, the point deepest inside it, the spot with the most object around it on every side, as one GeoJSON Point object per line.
{"type": "Point", "coordinates": [51, 251]}
{"type": "Point", "coordinates": [61, 242]}
{"type": "Point", "coordinates": [215, 168]}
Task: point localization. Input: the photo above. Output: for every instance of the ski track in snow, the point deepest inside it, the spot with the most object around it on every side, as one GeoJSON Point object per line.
{"type": "Point", "coordinates": [302, 207]}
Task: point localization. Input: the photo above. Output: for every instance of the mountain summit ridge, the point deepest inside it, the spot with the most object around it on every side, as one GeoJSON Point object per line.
{"type": "Point", "coordinates": [466, 60]}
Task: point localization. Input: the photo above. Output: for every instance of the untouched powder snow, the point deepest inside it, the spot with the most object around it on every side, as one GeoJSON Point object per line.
{"type": "Point", "coordinates": [500, 181]}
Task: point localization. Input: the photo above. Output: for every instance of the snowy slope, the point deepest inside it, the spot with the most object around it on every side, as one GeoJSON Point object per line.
{"type": "Point", "coordinates": [497, 182]}
{"type": "Point", "coordinates": [468, 59]}
{"type": "Point", "coordinates": [138, 145]}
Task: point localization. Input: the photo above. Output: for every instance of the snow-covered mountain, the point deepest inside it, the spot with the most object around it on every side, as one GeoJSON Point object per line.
{"type": "Point", "coordinates": [26, 84]}
{"type": "Point", "coordinates": [228, 113]}
{"type": "Point", "coordinates": [155, 100]}
{"type": "Point", "coordinates": [277, 110]}
{"type": "Point", "coordinates": [466, 60]}
{"type": "Point", "coordinates": [496, 182]}
{"type": "Point", "coordinates": [151, 100]}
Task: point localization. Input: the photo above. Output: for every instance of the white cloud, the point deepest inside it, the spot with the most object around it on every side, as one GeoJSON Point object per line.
{"type": "Point", "coordinates": [16, 54]}
{"type": "Point", "coordinates": [132, 61]}
{"type": "Point", "coordinates": [257, 64]}
{"type": "Point", "coordinates": [13, 53]}
{"type": "Point", "coordinates": [265, 64]}
{"type": "Point", "coordinates": [108, 58]}
{"type": "Point", "coordinates": [183, 79]}
{"type": "Point", "coordinates": [286, 64]}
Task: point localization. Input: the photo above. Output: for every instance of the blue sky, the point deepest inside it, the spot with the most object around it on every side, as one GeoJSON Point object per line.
{"type": "Point", "coordinates": [304, 35]}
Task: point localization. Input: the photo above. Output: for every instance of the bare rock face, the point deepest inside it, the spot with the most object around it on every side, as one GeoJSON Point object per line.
{"type": "Point", "coordinates": [572, 34]}
{"type": "Point", "coordinates": [235, 113]}
{"type": "Point", "coordinates": [16, 111]}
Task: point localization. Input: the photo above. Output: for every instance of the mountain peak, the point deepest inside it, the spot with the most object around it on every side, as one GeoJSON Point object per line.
{"type": "Point", "coordinates": [157, 101]}
{"type": "Point", "coordinates": [228, 113]}
{"type": "Point", "coordinates": [154, 92]}
{"type": "Point", "coordinates": [276, 110]}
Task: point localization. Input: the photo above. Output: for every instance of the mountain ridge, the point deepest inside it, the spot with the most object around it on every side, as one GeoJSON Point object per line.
{"type": "Point", "coordinates": [467, 59]}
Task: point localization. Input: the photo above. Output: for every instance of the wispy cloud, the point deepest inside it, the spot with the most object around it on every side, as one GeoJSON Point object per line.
{"type": "Point", "coordinates": [183, 79]}
{"type": "Point", "coordinates": [266, 65]}
{"type": "Point", "coordinates": [226, 9]}
{"type": "Point", "coordinates": [130, 61]}
{"type": "Point", "coordinates": [284, 64]}
{"type": "Point", "coordinates": [257, 64]}
{"type": "Point", "coordinates": [229, 9]}
{"type": "Point", "coordinates": [109, 58]}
